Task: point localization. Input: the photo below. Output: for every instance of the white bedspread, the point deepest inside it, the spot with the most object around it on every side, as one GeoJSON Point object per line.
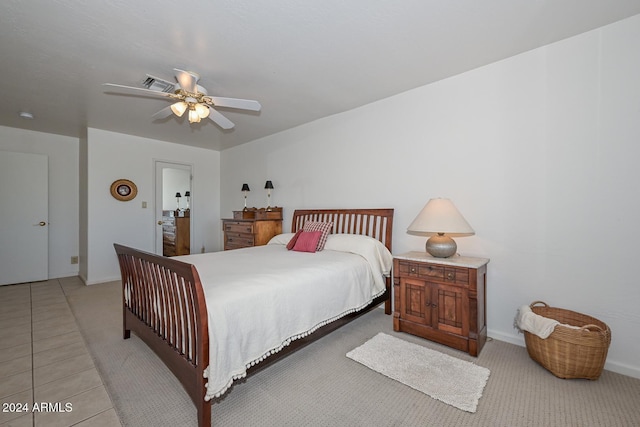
{"type": "Point", "coordinates": [260, 299]}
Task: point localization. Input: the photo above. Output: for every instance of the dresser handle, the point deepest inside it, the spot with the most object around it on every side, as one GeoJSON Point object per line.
{"type": "Point", "coordinates": [450, 276]}
{"type": "Point", "coordinates": [413, 270]}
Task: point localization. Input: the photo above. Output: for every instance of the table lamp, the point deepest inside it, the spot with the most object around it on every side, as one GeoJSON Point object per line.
{"type": "Point", "coordinates": [268, 186]}
{"type": "Point", "coordinates": [440, 220]}
{"type": "Point", "coordinates": [245, 190]}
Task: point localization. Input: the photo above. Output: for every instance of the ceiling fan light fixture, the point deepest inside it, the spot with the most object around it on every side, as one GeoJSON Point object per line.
{"type": "Point", "coordinates": [193, 116]}
{"type": "Point", "coordinates": [179, 108]}
{"type": "Point", "coordinates": [202, 110]}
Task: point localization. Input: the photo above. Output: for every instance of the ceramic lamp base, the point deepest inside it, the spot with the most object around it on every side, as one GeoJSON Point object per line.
{"type": "Point", "coordinates": [441, 246]}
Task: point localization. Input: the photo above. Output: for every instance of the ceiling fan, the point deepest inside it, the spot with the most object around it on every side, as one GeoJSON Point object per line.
{"type": "Point", "coordinates": [190, 96]}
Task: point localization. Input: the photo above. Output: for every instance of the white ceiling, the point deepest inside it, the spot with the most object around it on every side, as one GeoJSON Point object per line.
{"type": "Point", "coordinates": [303, 60]}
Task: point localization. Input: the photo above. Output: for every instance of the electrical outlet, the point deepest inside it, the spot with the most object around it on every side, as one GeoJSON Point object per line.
{"type": "Point", "coordinates": [144, 205]}
{"type": "Point", "coordinates": [74, 260]}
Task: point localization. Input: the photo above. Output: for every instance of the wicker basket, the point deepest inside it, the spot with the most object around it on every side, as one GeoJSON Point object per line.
{"type": "Point", "coordinates": [569, 352]}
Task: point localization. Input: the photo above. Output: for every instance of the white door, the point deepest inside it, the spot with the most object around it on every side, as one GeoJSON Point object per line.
{"type": "Point", "coordinates": [171, 178]}
{"type": "Point", "coordinates": [24, 234]}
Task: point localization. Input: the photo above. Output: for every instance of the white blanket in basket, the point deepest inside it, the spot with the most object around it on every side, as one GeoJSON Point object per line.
{"type": "Point", "coordinates": [527, 320]}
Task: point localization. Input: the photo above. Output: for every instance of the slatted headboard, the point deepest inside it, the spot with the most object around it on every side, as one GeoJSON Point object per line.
{"type": "Point", "coordinates": [376, 223]}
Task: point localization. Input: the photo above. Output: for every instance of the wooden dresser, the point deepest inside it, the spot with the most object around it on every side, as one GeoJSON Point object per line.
{"type": "Point", "coordinates": [176, 234]}
{"type": "Point", "coordinates": [441, 299]}
{"type": "Point", "coordinates": [251, 228]}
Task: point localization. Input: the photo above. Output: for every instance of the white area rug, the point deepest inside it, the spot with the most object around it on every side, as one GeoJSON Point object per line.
{"type": "Point", "coordinates": [445, 378]}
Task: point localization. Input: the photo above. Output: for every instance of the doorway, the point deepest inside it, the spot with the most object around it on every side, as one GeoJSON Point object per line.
{"type": "Point", "coordinates": [173, 208]}
{"type": "Point", "coordinates": [24, 234]}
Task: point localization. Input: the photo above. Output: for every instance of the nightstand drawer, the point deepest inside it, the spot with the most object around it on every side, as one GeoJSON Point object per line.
{"type": "Point", "coordinates": [458, 276]}
{"type": "Point", "coordinates": [238, 227]}
{"type": "Point", "coordinates": [421, 270]}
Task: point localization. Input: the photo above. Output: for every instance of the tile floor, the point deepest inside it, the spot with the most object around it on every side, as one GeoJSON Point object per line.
{"type": "Point", "coordinates": [45, 367]}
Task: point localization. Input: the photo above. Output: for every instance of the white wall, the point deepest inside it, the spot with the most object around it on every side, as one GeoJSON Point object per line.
{"type": "Point", "coordinates": [539, 152]}
{"type": "Point", "coordinates": [62, 152]}
{"type": "Point", "coordinates": [112, 156]}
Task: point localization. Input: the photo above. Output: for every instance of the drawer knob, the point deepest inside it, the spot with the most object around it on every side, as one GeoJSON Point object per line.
{"type": "Point", "coordinates": [450, 276]}
{"type": "Point", "coordinates": [413, 270]}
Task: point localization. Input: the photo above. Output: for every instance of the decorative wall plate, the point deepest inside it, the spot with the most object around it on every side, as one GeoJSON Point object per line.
{"type": "Point", "coordinates": [124, 190]}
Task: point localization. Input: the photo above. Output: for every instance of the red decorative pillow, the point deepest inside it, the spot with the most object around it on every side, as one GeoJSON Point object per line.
{"type": "Point", "coordinates": [307, 241]}
{"type": "Point", "coordinates": [323, 227]}
{"type": "Point", "coordinates": [293, 240]}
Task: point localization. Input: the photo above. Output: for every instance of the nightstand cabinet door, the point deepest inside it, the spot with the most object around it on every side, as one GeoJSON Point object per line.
{"type": "Point", "coordinates": [450, 308]}
{"type": "Point", "coordinates": [415, 301]}
{"type": "Point", "coordinates": [443, 301]}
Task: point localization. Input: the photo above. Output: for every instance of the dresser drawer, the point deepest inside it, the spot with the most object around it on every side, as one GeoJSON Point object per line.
{"type": "Point", "coordinates": [238, 227]}
{"type": "Point", "coordinates": [168, 250]}
{"type": "Point", "coordinates": [238, 239]}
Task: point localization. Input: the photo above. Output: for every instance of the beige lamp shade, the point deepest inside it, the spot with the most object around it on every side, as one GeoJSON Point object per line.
{"type": "Point", "coordinates": [440, 219]}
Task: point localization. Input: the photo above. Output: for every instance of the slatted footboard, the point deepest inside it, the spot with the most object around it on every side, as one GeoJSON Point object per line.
{"type": "Point", "coordinates": [164, 305]}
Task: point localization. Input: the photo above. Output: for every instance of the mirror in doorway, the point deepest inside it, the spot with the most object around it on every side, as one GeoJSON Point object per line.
{"type": "Point", "coordinates": [176, 211]}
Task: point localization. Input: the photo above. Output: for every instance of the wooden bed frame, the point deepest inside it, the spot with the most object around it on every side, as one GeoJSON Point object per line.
{"type": "Point", "coordinates": [164, 304]}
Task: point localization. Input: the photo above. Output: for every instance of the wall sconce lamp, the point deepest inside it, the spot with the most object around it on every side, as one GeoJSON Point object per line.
{"type": "Point", "coordinates": [187, 194]}
{"type": "Point", "coordinates": [245, 190]}
{"type": "Point", "coordinates": [178, 201]}
{"type": "Point", "coordinates": [440, 220]}
{"type": "Point", "coordinates": [268, 186]}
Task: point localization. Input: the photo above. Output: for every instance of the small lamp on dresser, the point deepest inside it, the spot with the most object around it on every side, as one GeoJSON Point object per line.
{"type": "Point", "coordinates": [440, 220]}
{"type": "Point", "coordinates": [187, 194]}
{"type": "Point", "coordinates": [268, 186]}
{"type": "Point", "coordinates": [245, 191]}
{"type": "Point", "coordinates": [178, 201]}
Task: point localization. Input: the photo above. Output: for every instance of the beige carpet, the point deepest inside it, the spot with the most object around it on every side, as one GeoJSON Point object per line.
{"type": "Point", "coordinates": [319, 386]}
{"type": "Point", "coordinates": [448, 379]}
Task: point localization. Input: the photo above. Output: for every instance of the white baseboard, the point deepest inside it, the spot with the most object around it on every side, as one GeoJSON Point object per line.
{"type": "Point", "coordinates": [99, 281]}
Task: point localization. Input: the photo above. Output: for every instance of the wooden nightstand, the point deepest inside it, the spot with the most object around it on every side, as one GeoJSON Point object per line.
{"type": "Point", "coordinates": [256, 230]}
{"type": "Point", "coordinates": [441, 299]}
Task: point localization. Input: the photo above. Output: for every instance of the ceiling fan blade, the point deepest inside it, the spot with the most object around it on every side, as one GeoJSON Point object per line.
{"type": "Point", "coordinates": [242, 104]}
{"type": "Point", "coordinates": [220, 120]}
{"type": "Point", "coordinates": [130, 90]}
{"type": "Point", "coordinates": [162, 114]}
{"type": "Point", "coordinates": [187, 80]}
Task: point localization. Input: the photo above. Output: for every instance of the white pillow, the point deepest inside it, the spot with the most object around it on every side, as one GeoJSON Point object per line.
{"type": "Point", "coordinates": [367, 247]}
{"type": "Point", "coordinates": [281, 239]}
